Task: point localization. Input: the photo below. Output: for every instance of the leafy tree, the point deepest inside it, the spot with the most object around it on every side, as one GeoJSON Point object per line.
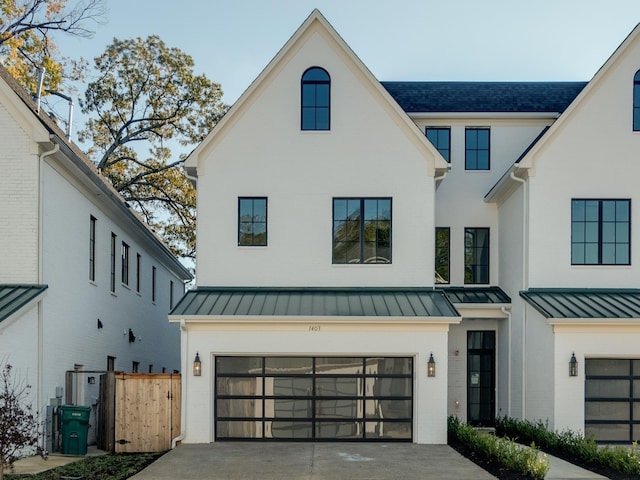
{"type": "Point", "coordinates": [25, 38]}
{"type": "Point", "coordinates": [18, 422]}
{"type": "Point", "coordinates": [147, 95]}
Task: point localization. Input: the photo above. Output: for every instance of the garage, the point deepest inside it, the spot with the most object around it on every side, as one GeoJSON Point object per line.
{"type": "Point", "coordinates": [316, 398]}
{"type": "Point", "coordinates": [612, 399]}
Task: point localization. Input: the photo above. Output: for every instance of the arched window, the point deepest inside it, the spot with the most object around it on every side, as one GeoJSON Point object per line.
{"type": "Point", "coordinates": [636, 102]}
{"type": "Point", "coordinates": [315, 87]}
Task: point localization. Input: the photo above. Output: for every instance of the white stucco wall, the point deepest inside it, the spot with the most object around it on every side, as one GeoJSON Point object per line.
{"type": "Point", "coordinates": [429, 410]}
{"type": "Point", "coordinates": [262, 152]}
{"type": "Point", "coordinates": [593, 155]}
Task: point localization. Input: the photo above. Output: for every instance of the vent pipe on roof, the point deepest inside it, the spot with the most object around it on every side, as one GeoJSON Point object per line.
{"type": "Point", "coordinates": [70, 119]}
{"type": "Point", "coordinates": [39, 88]}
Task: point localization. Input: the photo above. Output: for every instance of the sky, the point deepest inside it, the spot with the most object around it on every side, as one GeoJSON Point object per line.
{"type": "Point", "coordinates": [231, 41]}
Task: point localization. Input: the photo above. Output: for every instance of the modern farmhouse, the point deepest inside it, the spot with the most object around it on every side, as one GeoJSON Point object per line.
{"type": "Point", "coordinates": [375, 256]}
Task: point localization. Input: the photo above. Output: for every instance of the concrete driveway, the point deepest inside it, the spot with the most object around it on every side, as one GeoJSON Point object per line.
{"type": "Point", "coordinates": [313, 461]}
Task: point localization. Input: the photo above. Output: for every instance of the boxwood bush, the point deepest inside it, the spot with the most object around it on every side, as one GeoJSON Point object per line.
{"type": "Point", "coordinates": [527, 461]}
{"type": "Point", "coordinates": [573, 446]}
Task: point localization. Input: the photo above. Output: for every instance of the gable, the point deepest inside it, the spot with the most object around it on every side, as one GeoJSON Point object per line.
{"type": "Point", "coordinates": [361, 109]}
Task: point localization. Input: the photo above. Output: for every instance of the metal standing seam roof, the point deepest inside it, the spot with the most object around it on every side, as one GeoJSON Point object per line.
{"type": "Point", "coordinates": [508, 97]}
{"type": "Point", "coordinates": [585, 303]}
{"type": "Point", "coordinates": [14, 297]}
{"type": "Point", "coordinates": [488, 295]}
{"type": "Point", "coordinates": [322, 302]}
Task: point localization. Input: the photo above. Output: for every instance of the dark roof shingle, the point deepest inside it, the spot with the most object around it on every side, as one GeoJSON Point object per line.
{"type": "Point", "coordinates": [507, 97]}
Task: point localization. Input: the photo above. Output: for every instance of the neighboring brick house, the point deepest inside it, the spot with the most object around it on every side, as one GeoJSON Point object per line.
{"type": "Point", "coordinates": [328, 199]}
{"type": "Point", "coordinates": [85, 285]}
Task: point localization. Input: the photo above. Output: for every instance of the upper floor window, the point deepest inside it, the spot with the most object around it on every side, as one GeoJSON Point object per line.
{"type": "Point", "coordinates": [112, 273]}
{"type": "Point", "coordinates": [636, 102]}
{"type": "Point", "coordinates": [92, 248]}
{"type": "Point", "coordinates": [600, 232]}
{"type": "Point", "coordinates": [138, 271]}
{"type": "Point", "coordinates": [125, 263]}
{"type": "Point", "coordinates": [153, 284]}
{"type": "Point", "coordinates": [440, 137]}
{"type": "Point", "coordinates": [361, 230]}
{"type": "Point", "coordinates": [442, 254]}
{"type": "Point", "coordinates": [252, 221]}
{"type": "Point", "coordinates": [316, 91]}
{"type": "Point", "coordinates": [476, 153]}
{"type": "Point", "coordinates": [476, 255]}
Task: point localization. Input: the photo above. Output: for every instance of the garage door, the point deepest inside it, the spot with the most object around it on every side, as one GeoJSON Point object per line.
{"type": "Point", "coordinates": [612, 400]}
{"type": "Point", "coordinates": [314, 398]}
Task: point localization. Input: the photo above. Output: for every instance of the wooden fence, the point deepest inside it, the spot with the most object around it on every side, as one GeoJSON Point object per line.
{"type": "Point", "coordinates": [139, 412]}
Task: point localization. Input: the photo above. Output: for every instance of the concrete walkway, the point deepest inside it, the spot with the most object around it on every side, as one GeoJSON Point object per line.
{"type": "Point", "coordinates": [561, 470]}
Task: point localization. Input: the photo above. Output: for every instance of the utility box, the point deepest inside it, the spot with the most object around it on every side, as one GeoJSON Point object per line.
{"type": "Point", "coordinates": [74, 420]}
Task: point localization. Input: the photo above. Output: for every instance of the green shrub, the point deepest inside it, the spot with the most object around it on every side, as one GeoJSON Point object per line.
{"type": "Point", "coordinates": [568, 444]}
{"type": "Point", "coordinates": [515, 457]}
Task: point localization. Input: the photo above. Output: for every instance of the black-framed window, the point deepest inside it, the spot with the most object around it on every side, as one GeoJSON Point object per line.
{"type": "Point", "coordinates": [252, 221]}
{"type": "Point", "coordinates": [111, 363]}
{"type": "Point", "coordinates": [600, 232]}
{"type": "Point", "coordinates": [361, 230]}
{"type": "Point", "coordinates": [125, 263]}
{"type": "Point", "coordinates": [92, 248]}
{"type": "Point", "coordinates": [636, 102]}
{"type": "Point", "coordinates": [112, 273]}
{"type": "Point", "coordinates": [153, 284]}
{"type": "Point", "coordinates": [316, 99]}
{"type": "Point", "coordinates": [138, 271]}
{"type": "Point", "coordinates": [476, 255]}
{"type": "Point", "coordinates": [443, 252]}
{"type": "Point", "coordinates": [477, 149]}
{"type": "Point", "coordinates": [440, 137]}
{"type": "Point", "coordinates": [170, 293]}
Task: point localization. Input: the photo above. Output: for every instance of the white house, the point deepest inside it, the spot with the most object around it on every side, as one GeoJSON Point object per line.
{"type": "Point", "coordinates": [85, 285]}
{"type": "Point", "coordinates": [326, 201]}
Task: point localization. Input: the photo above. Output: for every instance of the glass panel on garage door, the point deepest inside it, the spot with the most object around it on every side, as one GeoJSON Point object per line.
{"type": "Point", "coordinates": [612, 399]}
{"type": "Point", "coordinates": [314, 398]}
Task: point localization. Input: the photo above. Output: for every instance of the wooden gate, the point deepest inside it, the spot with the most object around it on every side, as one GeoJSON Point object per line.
{"type": "Point", "coordinates": [139, 412]}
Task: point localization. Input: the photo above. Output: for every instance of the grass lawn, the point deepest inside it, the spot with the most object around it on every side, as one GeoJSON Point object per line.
{"type": "Point", "coordinates": [104, 467]}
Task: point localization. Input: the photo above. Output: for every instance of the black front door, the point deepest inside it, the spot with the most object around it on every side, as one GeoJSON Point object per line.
{"type": "Point", "coordinates": [481, 377]}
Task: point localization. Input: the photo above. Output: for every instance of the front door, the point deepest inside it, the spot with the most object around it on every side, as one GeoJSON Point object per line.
{"type": "Point", "coordinates": [481, 377]}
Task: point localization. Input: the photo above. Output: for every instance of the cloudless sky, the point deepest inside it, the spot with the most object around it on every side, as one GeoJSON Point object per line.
{"type": "Point", "coordinates": [231, 41]}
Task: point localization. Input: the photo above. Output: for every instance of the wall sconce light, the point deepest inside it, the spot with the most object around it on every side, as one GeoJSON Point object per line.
{"type": "Point", "coordinates": [91, 380]}
{"type": "Point", "coordinates": [197, 366]}
{"type": "Point", "coordinates": [431, 366]}
{"type": "Point", "coordinates": [573, 366]}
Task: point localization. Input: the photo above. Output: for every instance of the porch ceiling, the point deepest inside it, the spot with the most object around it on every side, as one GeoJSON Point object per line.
{"type": "Point", "coordinates": [585, 303]}
{"type": "Point", "coordinates": [321, 302]}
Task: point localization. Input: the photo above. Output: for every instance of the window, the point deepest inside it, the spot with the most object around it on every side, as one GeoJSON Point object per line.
{"type": "Point", "coordinates": [111, 364]}
{"type": "Point", "coordinates": [476, 255]}
{"type": "Point", "coordinates": [138, 271]}
{"type": "Point", "coordinates": [113, 262]}
{"type": "Point", "coordinates": [440, 137]}
{"type": "Point", "coordinates": [135, 366]}
{"type": "Point", "coordinates": [315, 90]}
{"type": "Point", "coordinates": [636, 102]}
{"type": "Point", "coordinates": [442, 254]}
{"type": "Point", "coordinates": [150, 368]}
{"type": "Point", "coordinates": [153, 284]}
{"type": "Point", "coordinates": [361, 230]}
{"type": "Point", "coordinates": [476, 154]}
{"type": "Point", "coordinates": [600, 232]}
{"type": "Point", "coordinates": [125, 263]}
{"type": "Point", "coordinates": [252, 221]}
{"type": "Point", "coordinates": [92, 248]}
{"type": "Point", "coordinates": [171, 294]}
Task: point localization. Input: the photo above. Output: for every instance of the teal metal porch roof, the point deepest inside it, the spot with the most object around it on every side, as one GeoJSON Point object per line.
{"type": "Point", "coordinates": [486, 295]}
{"type": "Point", "coordinates": [14, 297]}
{"type": "Point", "coordinates": [322, 302]}
{"type": "Point", "coordinates": [584, 303]}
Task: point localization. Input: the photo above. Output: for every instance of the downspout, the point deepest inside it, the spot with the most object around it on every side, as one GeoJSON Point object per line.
{"type": "Point", "coordinates": [507, 312]}
{"type": "Point", "coordinates": [183, 411]}
{"type": "Point", "coordinates": [525, 252]}
{"type": "Point", "coordinates": [42, 156]}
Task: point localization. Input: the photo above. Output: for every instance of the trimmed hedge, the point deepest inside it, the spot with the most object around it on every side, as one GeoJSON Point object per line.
{"type": "Point", "coordinates": [571, 445]}
{"type": "Point", "coordinates": [528, 461]}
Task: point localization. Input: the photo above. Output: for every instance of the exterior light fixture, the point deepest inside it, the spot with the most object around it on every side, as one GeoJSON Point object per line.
{"type": "Point", "coordinates": [197, 366]}
{"type": "Point", "coordinates": [431, 366]}
{"type": "Point", "coordinates": [573, 366]}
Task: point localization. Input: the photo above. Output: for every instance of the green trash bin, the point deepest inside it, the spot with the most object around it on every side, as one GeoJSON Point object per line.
{"type": "Point", "coordinates": [74, 421]}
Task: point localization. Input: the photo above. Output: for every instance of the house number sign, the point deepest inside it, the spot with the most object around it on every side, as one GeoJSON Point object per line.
{"type": "Point", "coordinates": [314, 328]}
